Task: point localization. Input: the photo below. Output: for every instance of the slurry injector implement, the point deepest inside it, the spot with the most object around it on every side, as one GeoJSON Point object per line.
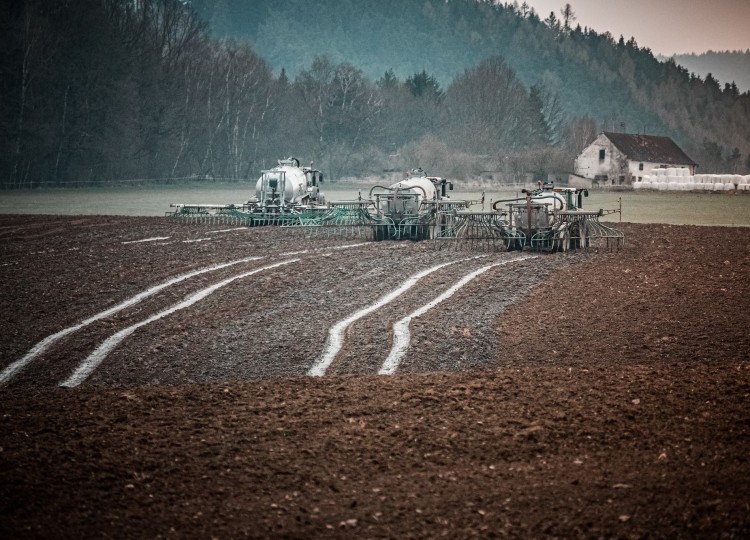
{"type": "Point", "coordinates": [416, 208]}
{"type": "Point", "coordinates": [282, 195]}
{"type": "Point", "coordinates": [546, 219]}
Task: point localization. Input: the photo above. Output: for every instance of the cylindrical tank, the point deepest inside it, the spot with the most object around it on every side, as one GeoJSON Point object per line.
{"type": "Point", "coordinates": [288, 183]}
{"type": "Point", "coordinates": [553, 200]}
{"type": "Point", "coordinates": [404, 197]}
{"type": "Point", "coordinates": [420, 185]}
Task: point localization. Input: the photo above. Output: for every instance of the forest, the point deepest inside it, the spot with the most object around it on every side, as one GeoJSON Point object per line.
{"type": "Point", "coordinates": [105, 92]}
{"type": "Point", "coordinates": [725, 66]}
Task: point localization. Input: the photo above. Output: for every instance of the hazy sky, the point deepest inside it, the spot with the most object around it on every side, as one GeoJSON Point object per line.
{"type": "Point", "coordinates": [665, 26]}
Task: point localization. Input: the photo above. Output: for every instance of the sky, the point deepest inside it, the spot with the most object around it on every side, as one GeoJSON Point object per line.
{"type": "Point", "coordinates": [667, 27]}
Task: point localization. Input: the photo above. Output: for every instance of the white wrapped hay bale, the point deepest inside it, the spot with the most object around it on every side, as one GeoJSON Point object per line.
{"type": "Point", "coordinates": [745, 180]}
{"type": "Point", "coordinates": [729, 186]}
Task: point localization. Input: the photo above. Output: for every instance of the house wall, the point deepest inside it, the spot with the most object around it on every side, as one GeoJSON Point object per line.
{"type": "Point", "coordinates": [615, 166]}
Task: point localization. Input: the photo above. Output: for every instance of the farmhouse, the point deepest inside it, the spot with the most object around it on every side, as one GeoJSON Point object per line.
{"type": "Point", "coordinates": [615, 159]}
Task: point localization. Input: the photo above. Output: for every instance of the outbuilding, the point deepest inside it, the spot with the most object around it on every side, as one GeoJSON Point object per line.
{"type": "Point", "coordinates": [615, 159]}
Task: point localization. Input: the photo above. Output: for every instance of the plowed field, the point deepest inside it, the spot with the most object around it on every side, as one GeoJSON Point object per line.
{"type": "Point", "coordinates": [169, 380]}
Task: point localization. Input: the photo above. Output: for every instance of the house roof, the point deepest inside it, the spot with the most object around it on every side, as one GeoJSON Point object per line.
{"type": "Point", "coordinates": [649, 148]}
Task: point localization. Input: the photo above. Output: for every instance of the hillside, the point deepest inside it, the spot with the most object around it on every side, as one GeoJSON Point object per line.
{"type": "Point", "coordinates": [102, 91]}
{"type": "Point", "coordinates": [617, 83]}
{"type": "Point", "coordinates": [408, 36]}
{"type": "Point", "coordinates": [725, 66]}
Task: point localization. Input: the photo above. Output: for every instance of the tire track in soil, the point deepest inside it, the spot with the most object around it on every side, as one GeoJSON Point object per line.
{"type": "Point", "coordinates": [48, 342]}
{"type": "Point", "coordinates": [56, 363]}
{"type": "Point", "coordinates": [84, 370]}
{"type": "Point", "coordinates": [247, 332]}
{"type": "Point", "coordinates": [212, 316]}
{"type": "Point", "coordinates": [456, 334]}
{"type": "Point", "coordinates": [471, 340]}
{"type": "Point", "coordinates": [401, 335]}
{"type": "Point", "coordinates": [53, 364]}
{"type": "Point", "coordinates": [337, 333]}
{"type": "Point", "coordinates": [367, 340]}
{"type": "Point", "coordinates": [103, 273]}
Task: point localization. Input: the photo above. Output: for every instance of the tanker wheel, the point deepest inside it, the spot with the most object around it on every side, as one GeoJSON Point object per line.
{"type": "Point", "coordinates": [515, 244]}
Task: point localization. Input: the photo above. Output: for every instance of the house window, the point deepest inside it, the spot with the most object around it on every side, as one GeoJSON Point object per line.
{"type": "Point", "coordinates": [622, 180]}
{"type": "Point", "coordinates": [640, 167]}
{"type": "Point", "coordinates": [639, 178]}
{"type": "Point", "coordinates": [601, 154]}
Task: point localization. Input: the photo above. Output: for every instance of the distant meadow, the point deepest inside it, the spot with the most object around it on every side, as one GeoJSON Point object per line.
{"type": "Point", "coordinates": [676, 208]}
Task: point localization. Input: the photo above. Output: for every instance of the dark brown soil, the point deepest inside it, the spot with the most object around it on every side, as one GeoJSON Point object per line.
{"type": "Point", "coordinates": [578, 394]}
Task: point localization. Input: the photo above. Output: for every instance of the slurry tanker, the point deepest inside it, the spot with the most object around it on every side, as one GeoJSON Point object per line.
{"type": "Point", "coordinates": [282, 194]}
{"type": "Point", "coordinates": [417, 207]}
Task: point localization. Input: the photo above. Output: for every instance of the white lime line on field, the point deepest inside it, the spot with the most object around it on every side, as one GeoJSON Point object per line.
{"type": "Point", "coordinates": [97, 357]}
{"type": "Point", "coordinates": [401, 334]}
{"type": "Point", "coordinates": [346, 246]}
{"type": "Point", "coordinates": [227, 230]}
{"type": "Point", "coordinates": [336, 333]}
{"type": "Point", "coordinates": [196, 240]}
{"type": "Point", "coordinates": [47, 342]}
{"type": "Point", "coordinates": [154, 239]}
